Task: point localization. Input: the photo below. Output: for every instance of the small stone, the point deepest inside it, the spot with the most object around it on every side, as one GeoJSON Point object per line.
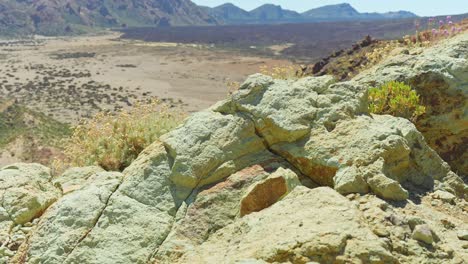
{"type": "Point", "coordinates": [5, 252]}
{"type": "Point", "coordinates": [465, 246]}
{"type": "Point", "coordinates": [28, 224]}
{"type": "Point", "coordinates": [414, 221]}
{"type": "Point", "coordinates": [17, 238]}
{"type": "Point", "coordinates": [423, 233]}
{"type": "Point", "coordinates": [381, 231]}
{"type": "Point", "coordinates": [444, 196]}
{"type": "Point", "coordinates": [462, 234]}
{"type": "Point", "coordinates": [26, 230]}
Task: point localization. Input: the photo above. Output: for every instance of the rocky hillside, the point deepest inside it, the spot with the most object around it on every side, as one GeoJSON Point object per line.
{"type": "Point", "coordinates": [27, 135]}
{"type": "Point", "coordinates": [283, 171]}
{"type": "Point", "coordinates": [268, 13]}
{"type": "Point", "coordinates": [72, 16]}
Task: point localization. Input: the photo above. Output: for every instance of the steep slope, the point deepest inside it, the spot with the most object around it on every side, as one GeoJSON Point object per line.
{"type": "Point", "coordinates": [28, 135]}
{"type": "Point", "coordinates": [56, 17]}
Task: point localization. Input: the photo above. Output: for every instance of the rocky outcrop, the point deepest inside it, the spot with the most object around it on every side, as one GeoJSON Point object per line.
{"type": "Point", "coordinates": [26, 192]}
{"type": "Point", "coordinates": [239, 183]}
{"type": "Point", "coordinates": [327, 231]}
{"type": "Point", "coordinates": [440, 75]}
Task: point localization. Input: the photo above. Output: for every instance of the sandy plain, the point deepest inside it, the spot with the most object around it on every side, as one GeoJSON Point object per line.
{"type": "Point", "coordinates": [73, 78]}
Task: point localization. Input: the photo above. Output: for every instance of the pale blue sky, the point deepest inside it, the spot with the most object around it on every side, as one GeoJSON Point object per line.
{"type": "Point", "coordinates": [419, 7]}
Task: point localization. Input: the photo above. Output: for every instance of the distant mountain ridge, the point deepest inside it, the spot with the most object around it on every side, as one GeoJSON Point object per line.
{"type": "Point", "coordinates": [59, 17]}
{"type": "Point", "coordinates": [52, 17]}
{"type": "Point", "coordinates": [268, 13]}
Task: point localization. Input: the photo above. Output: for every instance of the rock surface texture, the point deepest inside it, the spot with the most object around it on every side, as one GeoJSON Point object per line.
{"type": "Point", "coordinates": [283, 171]}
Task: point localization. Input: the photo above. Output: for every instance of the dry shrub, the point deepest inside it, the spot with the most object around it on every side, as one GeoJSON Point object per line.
{"type": "Point", "coordinates": [233, 87]}
{"type": "Point", "coordinates": [380, 53]}
{"type": "Point", "coordinates": [114, 140]}
{"type": "Point", "coordinates": [282, 72]}
{"type": "Point", "coordinates": [397, 99]}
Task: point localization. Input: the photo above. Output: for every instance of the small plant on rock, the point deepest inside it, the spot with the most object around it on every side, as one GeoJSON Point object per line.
{"type": "Point", "coordinates": [114, 140]}
{"type": "Point", "coordinates": [397, 99]}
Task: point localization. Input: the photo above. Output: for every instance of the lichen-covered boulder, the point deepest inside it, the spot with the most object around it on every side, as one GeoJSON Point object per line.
{"type": "Point", "coordinates": [440, 75]}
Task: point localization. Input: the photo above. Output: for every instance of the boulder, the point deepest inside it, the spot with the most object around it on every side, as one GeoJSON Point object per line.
{"type": "Point", "coordinates": [26, 193]}
{"type": "Point", "coordinates": [462, 234]}
{"type": "Point", "coordinates": [70, 219]}
{"type": "Point", "coordinates": [423, 233]}
{"type": "Point", "coordinates": [444, 196]}
{"type": "Point", "coordinates": [209, 147]}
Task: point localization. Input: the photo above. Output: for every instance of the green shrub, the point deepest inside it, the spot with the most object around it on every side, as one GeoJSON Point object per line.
{"type": "Point", "coordinates": [113, 141]}
{"type": "Point", "coordinates": [397, 99]}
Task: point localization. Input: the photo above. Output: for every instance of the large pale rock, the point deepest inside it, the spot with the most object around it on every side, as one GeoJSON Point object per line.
{"type": "Point", "coordinates": [423, 233]}
{"type": "Point", "coordinates": [209, 147]}
{"type": "Point", "coordinates": [26, 192]}
{"type": "Point", "coordinates": [138, 215]}
{"type": "Point", "coordinates": [285, 111]}
{"type": "Point", "coordinates": [112, 218]}
{"type": "Point", "coordinates": [440, 75]}
{"type": "Point", "coordinates": [69, 220]}
{"type": "Point", "coordinates": [308, 225]}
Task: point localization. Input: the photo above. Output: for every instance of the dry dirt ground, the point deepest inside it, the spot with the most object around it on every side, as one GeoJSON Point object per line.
{"type": "Point", "coordinates": [71, 78]}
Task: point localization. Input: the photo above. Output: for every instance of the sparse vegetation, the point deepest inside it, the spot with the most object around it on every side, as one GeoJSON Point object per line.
{"type": "Point", "coordinates": [435, 31]}
{"type": "Point", "coordinates": [18, 121]}
{"type": "Point", "coordinates": [113, 141]}
{"type": "Point", "coordinates": [282, 72]}
{"type": "Point", "coordinates": [397, 99]}
{"type": "Point", "coordinates": [233, 86]}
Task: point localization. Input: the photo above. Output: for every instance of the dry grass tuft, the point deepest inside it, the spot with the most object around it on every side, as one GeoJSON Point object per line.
{"type": "Point", "coordinates": [114, 140]}
{"type": "Point", "coordinates": [281, 72]}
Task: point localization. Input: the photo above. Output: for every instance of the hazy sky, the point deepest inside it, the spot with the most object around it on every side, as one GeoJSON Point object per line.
{"type": "Point", "coordinates": [419, 7]}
